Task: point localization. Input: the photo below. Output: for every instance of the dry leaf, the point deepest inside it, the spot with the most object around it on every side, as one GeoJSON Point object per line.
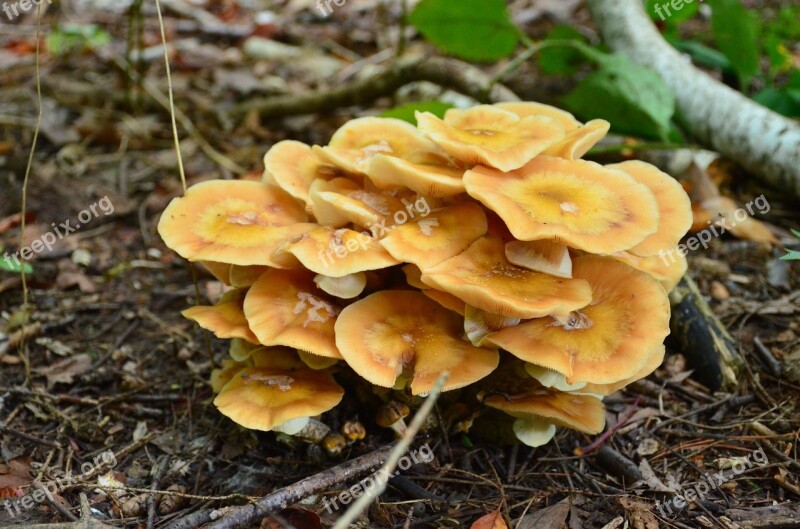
{"type": "Point", "coordinates": [64, 371]}
{"type": "Point", "coordinates": [493, 520]}
{"type": "Point", "coordinates": [553, 517]}
{"type": "Point", "coordinates": [638, 514]}
{"type": "Point", "coordinates": [15, 475]}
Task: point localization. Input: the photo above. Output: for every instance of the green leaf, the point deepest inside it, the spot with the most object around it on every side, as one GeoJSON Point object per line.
{"type": "Point", "coordinates": [633, 98]}
{"type": "Point", "coordinates": [795, 232]}
{"type": "Point", "coordinates": [736, 31]}
{"type": "Point", "coordinates": [664, 11]}
{"type": "Point", "coordinates": [406, 112]}
{"type": "Point", "coordinates": [702, 54]}
{"type": "Point", "coordinates": [73, 37]}
{"type": "Point", "coordinates": [475, 30]}
{"type": "Point", "coordinates": [785, 101]}
{"type": "Point", "coordinates": [561, 59]}
{"type": "Point", "coordinates": [8, 264]}
{"type": "Point", "coordinates": [793, 255]}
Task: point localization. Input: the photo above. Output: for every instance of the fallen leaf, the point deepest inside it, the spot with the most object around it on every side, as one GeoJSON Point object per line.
{"type": "Point", "coordinates": [15, 475]}
{"type": "Point", "coordinates": [64, 371]}
{"type": "Point", "coordinates": [638, 514]}
{"type": "Point", "coordinates": [493, 520]}
{"type": "Point", "coordinates": [553, 517]}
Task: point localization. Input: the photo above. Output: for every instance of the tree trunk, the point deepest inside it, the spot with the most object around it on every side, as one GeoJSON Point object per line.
{"type": "Point", "coordinates": [764, 142]}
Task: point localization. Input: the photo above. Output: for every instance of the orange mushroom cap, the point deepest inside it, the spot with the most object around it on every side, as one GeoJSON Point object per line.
{"type": "Point", "coordinates": [491, 136]}
{"type": "Point", "coordinates": [483, 278]}
{"type": "Point", "coordinates": [444, 233]}
{"type": "Point", "coordinates": [610, 339]}
{"type": "Point", "coordinates": [231, 221]}
{"type": "Point", "coordinates": [580, 203]}
{"type": "Point", "coordinates": [225, 319]}
{"type": "Point", "coordinates": [338, 253]}
{"type": "Point", "coordinates": [285, 307]}
{"type": "Point", "coordinates": [674, 206]}
{"type": "Point", "coordinates": [293, 167]}
{"type": "Point", "coordinates": [264, 398]}
{"type": "Point", "coordinates": [525, 109]}
{"type": "Point", "coordinates": [578, 412]}
{"type": "Point", "coordinates": [654, 360]}
{"type": "Point", "coordinates": [341, 202]}
{"type": "Point", "coordinates": [668, 267]}
{"type": "Point", "coordinates": [401, 336]}
{"type": "Point", "coordinates": [433, 180]}
{"type": "Point", "coordinates": [580, 141]}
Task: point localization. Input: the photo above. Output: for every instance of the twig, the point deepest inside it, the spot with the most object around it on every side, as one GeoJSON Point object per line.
{"type": "Point", "coordinates": [248, 514]}
{"type": "Point", "coordinates": [84, 522]}
{"type": "Point", "coordinates": [158, 472]}
{"type": "Point", "coordinates": [773, 366]}
{"type": "Point", "coordinates": [448, 73]}
{"type": "Point", "coordinates": [611, 431]}
{"type": "Point", "coordinates": [400, 449]}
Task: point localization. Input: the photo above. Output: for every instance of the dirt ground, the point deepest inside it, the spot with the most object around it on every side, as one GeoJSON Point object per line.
{"type": "Point", "coordinates": [106, 379]}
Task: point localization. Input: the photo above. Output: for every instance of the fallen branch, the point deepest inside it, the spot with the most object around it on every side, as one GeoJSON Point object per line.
{"type": "Point", "coordinates": [764, 142]}
{"type": "Point", "coordinates": [248, 514]}
{"type": "Point", "coordinates": [84, 522]}
{"type": "Point", "coordinates": [449, 73]}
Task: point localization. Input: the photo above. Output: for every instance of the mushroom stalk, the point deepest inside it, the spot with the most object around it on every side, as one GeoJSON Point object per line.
{"type": "Point", "coordinates": [764, 142]}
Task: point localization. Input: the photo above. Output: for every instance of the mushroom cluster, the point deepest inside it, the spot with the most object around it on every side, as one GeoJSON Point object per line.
{"type": "Point", "coordinates": [404, 252]}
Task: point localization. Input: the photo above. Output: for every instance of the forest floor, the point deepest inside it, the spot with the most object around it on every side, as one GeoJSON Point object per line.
{"type": "Point", "coordinates": [114, 367]}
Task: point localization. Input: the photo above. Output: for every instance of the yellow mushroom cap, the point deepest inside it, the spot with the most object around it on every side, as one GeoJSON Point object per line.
{"type": "Point", "coordinates": [491, 136]}
{"type": "Point", "coordinates": [673, 203]}
{"type": "Point", "coordinates": [341, 202]}
{"type": "Point", "coordinates": [610, 339]}
{"type": "Point", "coordinates": [285, 307]}
{"type": "Point", "coordinates": [262, 398]}
{"type": "Point", "coordinates": [483, 278]}
{"type": "Point", "coordinates": [337, 253]}
{"type": "Point", "coordinates": [654, 360]}
{"type": "Point", "coordinates": [525, 109]}
{"type": "Point", "coordinates": [221, 271]}
{"type": "Point", "coordinates": [224, 374]}
{"type": "Point", "coordinates": [293, 167]}
{"type": "Point", "coordinates": [426, 179]}
{"type": "Point", "coordinates": [396, 334]}
{"type": "Point", "coordinates": [578, 412]}
{"type": "Point", "coordinates": [668, 267]}
{"type": "Point", "coordinates": [446, 300]}
{"type": "Point", "coordinates": [225, 319]}
{"type": "Point", "coordinates": [580, 141]}
{"type": "Point", "coordinates": [579, 203]}
{"type": "Point", "coordinates": [231, 221]}
{"type": "Point", "coordinates": [444, 233]}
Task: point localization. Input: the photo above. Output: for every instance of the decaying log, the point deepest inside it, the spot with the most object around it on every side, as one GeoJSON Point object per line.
{"type": "Point", "coordinates": [698, 334]}
{"type": "Point", "coordinates": [764, 142]}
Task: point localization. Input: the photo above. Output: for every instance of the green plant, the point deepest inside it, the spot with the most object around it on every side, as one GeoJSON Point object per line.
{"type": "Point", "coordinates": [793, 255]}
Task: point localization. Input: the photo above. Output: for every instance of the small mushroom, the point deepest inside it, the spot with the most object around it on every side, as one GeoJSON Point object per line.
{"type": "Point", "coordinates": [491, 136]}
{"type": "Point", "coordinates": [525, 109]}
{"type": "Point", "coordinates": [482, 277]}
{"type": "Point", "coordinates": [265, 398]}
{"type": "Point", "coordinates": [604, 342]}
{"type": "Point", "coordinates": [546, 256]}
{"type": "Point", "coordinates": [236, 222]}
{"type": "Point", "coordinates": [580, 141]}
{"type": "Point", "coordinates": [580, 203]}
{"type": "Point", "coordinates": [396, 338]}
{"type": "Point", "coordinates": [552, 379]}
{"type": "Point", "coordinates": [432, 180]}
{"type": "Point", "coordinates": [444, 233]}
{"type": "Point", "coordinates": [285, 307]}
{"type": "Point", "coordinates": [668, 268]}
{"type": "Point", "coordinates": [226, 319]}
{"type": "Point", "coordinates": [339, 252]}
{"type": "Point", "coordinates": [293, 167]}
{"type": "Point", "coordinates": [539, 408]}
{"type": "Point", "coordinates": [334, 443]}
{"type": "Point", "coordinates": [392, 415]}
{"type": "Point", "coordinates": [478, 323]}
{"type": "Point", "coordinates": [344, 287]}
{"type": "Point", "coordinates": [340, 202]}
{"type": "Point", "coordinates": [354, 431]}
